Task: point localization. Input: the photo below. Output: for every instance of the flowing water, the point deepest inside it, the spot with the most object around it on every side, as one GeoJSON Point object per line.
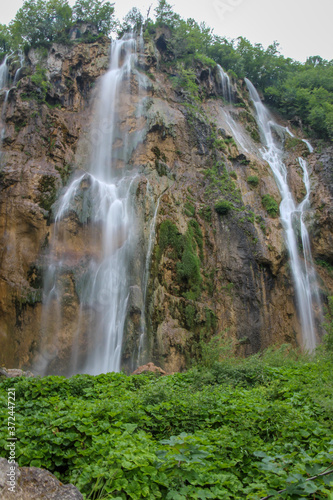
{"type": "Point", "coordinates": [292, 218]}
{"type": "Point", "coordinates": [228, 96]}
{"type": "Point", "coordinates": [4, 75]}
{"type": "Point", "coordinates": [4, 83]}
{"type": "Point", "coordinates": [102, 199]}
{"type": "Point", "coordinates": [145, 281]}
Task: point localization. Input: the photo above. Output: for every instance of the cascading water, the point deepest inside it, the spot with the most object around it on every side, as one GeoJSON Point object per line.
{"type": "Point", "coordinates": [228, 96]}
{"type": "Point", "coordinates": [145, 279]}
{"type": "Point", "coordinates": [4, 73]}
{"type": "Point", "coordinates": [226, 88]}
{"type": "Point", "coordinates": [292, 218]}
{"type": "Point", "coordinates": [102, 200]}
{"type": "Point", "coordinates": [4, 82]}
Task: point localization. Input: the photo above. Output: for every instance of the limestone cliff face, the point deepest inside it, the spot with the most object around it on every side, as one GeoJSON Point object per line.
{"type": "Point", "coordinates": [213, 271]}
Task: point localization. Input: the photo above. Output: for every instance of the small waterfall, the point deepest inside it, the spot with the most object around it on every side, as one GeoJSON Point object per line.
{"type": "Point", "coordinates": [152, 232]}
{"type": "Point", "coordinates": [227, 93]}
{"type": "Point", "coordinates": [19, 69]}
{"type": "Point", "coordinates": [4, 73]}
{"type": "Point", "coordinates": [100, 202]}
{"type": "Point", "coordinates": [292, 218]}
{"type": "Point", "coordinates": [225, 85]}
{"type": "Point", "coordinates": [4, 83]}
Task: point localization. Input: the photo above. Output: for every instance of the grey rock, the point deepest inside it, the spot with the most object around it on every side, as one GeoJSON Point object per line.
{"type": "Point", "coordinates": [32, 483]}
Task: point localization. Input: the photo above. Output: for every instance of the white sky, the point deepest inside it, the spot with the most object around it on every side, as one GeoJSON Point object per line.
{"type": "Point", "coordinates": [302, 27]}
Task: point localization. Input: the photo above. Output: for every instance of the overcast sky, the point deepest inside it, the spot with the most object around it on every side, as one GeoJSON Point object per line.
{"type": "Point", "coordinates": [302, 27]}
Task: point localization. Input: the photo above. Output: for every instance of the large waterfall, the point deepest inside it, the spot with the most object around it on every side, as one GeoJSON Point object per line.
{"type": "Point", "coordinates": [292, 218]}
{"type": "Point", "coordinates": [101, 198]}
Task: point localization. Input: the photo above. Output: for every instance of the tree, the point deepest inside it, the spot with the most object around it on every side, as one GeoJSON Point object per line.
{"type": "Point", "coordinates": [5, 41]}
{"type": "Point", "coordinates": [165, 14]}
{"type": "Point", "coordinates": [96, 12]}
{"type": "Point", "coordinates": [39, 22]}
{"type": "Point", "coordinates": [133, 20]}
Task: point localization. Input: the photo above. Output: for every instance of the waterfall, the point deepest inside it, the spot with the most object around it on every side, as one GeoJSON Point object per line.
{"type": "Point", "coordinates": [151, 240]}
{"type": "Point", "coordinates": [4, 74]}
{"type": "Point", "coordinates": [224, 82]}
{"type": "Point", "coordinates": [292, 218]}
{"type": "Point", "coordinates": [19, 69]}
{"type": "Point", "coordinates": [4, 82]}
{"type": "Point", "coordinates": [227, 93]}
{"type": "Point", "coordinates": [100, 202]}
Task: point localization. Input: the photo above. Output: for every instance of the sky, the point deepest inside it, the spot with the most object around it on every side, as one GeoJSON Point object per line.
{"type": "Point", "coordinates": [303, 28]}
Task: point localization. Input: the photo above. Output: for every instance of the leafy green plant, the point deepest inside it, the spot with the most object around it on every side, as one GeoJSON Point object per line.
{"type": "Point", "coordinates": [270, 205]}
{"type": "Point", "coordinates": [253, 180]}
{"type": "Point", "coordinates": [223, 207]}
{"type": "Point", "coordinates": [228, 428]}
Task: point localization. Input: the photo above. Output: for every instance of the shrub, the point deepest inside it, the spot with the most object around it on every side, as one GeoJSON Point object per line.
{"type": "Point", "coordinates": [222, 207]}
{"type": "Point", "coordinates": [253, 180]}
{"type": "Point", "coordinates": [270, 205]}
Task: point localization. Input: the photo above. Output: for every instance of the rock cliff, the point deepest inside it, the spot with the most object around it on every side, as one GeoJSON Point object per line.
{"type": "Point", "coordinates": [218, 264]}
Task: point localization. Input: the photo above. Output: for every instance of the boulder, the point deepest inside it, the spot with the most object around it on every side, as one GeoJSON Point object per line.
{"type": "Point", "coordinates": [14, 372]}
{"type": "Point", "coordinates": [149, 367]}
{"type": "Point", "coordinates": [33, 483]}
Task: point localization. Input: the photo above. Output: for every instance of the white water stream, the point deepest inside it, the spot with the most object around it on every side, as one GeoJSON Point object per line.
{"type": "Point", "coordinates": [228, 95]}
{"type": "Point", "coordinates": [105, 195]}
{"type": "Point", "coordinates": [292, 218]}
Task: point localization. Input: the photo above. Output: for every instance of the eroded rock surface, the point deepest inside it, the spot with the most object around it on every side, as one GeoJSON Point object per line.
{"type": "Point", "coordinates": [210, 273]}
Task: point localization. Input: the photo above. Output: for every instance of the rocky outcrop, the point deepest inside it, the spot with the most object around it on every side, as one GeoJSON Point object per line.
{"type": "Point", "coordinates": [219, 263]}
{"type": "Point", "coordinates": [14, 372]}
{"type": "Point", "coordinates": [32, 483]}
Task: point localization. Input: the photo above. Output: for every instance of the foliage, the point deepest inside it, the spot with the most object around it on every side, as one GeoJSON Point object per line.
{"type": "Point", "coordinates": [184, 249]}
{"type": "Point", "coordinates": [41, 22]}
{"type": "Point", "coordinates": [4, 39]}
{"type": "Point", "coordinates": [328, 338]}
{"type": "Point", "coordinates": [133, 21]}
{"type": "Point", "coordinates": [253, 180]}
{"type": "Point", "coordinates": [222, 207]}
{"type": "Point", "coordinates": [40, 82]}
{"type": "Point", "coordinates": [96, 12]}
{"type": "Point", "coordinates": [229, 429]}
{"type": "Point", "coordinates": [270, 205]}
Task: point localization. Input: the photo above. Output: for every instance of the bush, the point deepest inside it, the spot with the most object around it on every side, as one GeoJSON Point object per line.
{"type": "Point", "coordinates": [253, 180]}
{"type": "Point", "coordinates": [222, 207]}
{"type": "Point", "coordinates": [270, 205]}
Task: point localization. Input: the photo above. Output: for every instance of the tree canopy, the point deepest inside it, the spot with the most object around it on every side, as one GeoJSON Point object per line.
{"type": "Point", "coordinates": [41, 22]}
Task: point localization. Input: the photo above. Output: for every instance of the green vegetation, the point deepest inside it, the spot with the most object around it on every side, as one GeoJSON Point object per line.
{"type": "Point", "coordinates": [328, 338]}
{"type": "Point", "coordinates": [206, 213]}
{"type": "Point", "coordinates": [42, 22]}
{"type": "Point", "coordinates": [227, 429]}
{"type": "Point", "coordinates": [184, 249]}
{"type": "Point", "coordinates": [41, 84]}
{"type": "Point", "coordinates": [222, 207]}
{"type": "Point", "coordinates": [253, 180]}
{"type": "Point", "coordinates": [325, 264]}
{"type": "Point", "coordinates": [222, 183]}
{"type": "Point", "coordinates": [270, 205]}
